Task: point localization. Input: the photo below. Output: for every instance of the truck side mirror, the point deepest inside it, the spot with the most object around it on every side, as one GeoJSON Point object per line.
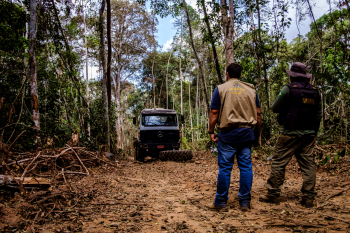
{"type": "Point", "coordinates": [182, 118]}
{"type": "Point", "coordinates": [134, 120]}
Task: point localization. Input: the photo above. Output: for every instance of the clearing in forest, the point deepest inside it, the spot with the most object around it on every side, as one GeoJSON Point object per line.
{"type": "Point", "coordinates": [158, 196]}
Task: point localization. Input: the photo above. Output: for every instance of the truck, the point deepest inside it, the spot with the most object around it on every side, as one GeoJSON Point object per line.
{"type": "Point", "coordinates": [159, 135]}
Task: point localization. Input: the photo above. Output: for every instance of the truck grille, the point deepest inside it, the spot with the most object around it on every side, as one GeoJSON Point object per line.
{"type": "Point", "coordinates": [156, 136]}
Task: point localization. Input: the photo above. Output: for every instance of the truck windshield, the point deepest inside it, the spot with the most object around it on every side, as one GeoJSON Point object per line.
{"type": "Point", "coordinates": [156, 120]}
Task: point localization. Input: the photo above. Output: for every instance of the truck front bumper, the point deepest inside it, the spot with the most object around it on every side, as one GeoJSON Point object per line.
{"type": "Point", "coordinates": [160, 146]}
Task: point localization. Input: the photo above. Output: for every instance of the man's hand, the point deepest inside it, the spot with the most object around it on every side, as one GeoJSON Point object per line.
{"type": "Point", "coordinates": [214, 138]}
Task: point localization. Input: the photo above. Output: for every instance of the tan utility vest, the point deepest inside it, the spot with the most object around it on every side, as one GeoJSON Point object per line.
{"type": "Point", "coordinates": [238, 105]}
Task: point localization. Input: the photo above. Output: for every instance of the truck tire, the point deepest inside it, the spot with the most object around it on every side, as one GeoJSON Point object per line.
{"type": "Point", "coordinates": [175, 155]}
{"type": "Point", "coordinates": [138, 155]}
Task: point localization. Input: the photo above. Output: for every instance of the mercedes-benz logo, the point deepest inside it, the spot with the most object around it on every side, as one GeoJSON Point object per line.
{"type": "Point", "coordinates": [160, 134]}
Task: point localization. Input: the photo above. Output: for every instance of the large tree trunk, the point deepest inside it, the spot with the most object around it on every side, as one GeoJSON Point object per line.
{"type": "Point", "coordinates": [109, 53]}
{"type": "Point", "coordinates": [32, 64]}
{"type": "Point", "coordinates": [216, 59]}
{"type": "Point", "coordinates": [196, 55]}
{"type": "Point", "coordinates": [104, 79]}
{"type": "Point", "coordinates": [87, 73]}
{"type": "Point", "coordinates": [227, 27]}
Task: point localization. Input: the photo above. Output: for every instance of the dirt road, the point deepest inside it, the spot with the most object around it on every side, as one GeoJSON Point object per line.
{"type": "Point", "coordinates": [160, 196]}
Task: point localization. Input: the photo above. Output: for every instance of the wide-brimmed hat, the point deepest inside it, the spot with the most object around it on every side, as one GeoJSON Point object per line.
{"type": "Point", "coordinates": [298, 69]}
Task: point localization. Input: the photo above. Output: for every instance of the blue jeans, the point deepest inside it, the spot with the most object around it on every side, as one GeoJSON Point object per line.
{"type": "Point", "coordinates": [226, 153]}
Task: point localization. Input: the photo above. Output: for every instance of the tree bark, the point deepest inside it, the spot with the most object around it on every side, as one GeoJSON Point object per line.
{"type": "Point", "coordinates": [166, 81]}
{"type": "Point", "coordinates": [32, 64]}
{"type": "Point", "coordinates": [261, 45]}
{"type": "Point", "coordinates": [87, 73]}
{"type": "Point", "coordinates": [108, 80]}
{"type": "Point", "coordinates": [196, 55]}
{"type": "Point", "coordinates": [153, 81]}
{"type": "Point", "coordinates": [216, 59]}
{"type": "Point", "coordinates": [189, 104]}
{"type": "Point", "coordinates": [180, 69]}
{"type": "Point", "coordinates": [228, 33]}
{"type": "Point", "coordinates": [181, 88]}
{"type": "Point", "coordinates": [117, 110]}
{"type": "Point", "coordinates": [160, 93]}
{"type": "Point", "coordinates": [104, 77]}
{"type": "Point", "coordinates": [197, 107]}
{"type": "Point", "coordinates": [172, 89]}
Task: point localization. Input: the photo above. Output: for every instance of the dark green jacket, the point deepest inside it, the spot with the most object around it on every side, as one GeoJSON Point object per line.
{"type": "Point", "coordinates": [278, 106]}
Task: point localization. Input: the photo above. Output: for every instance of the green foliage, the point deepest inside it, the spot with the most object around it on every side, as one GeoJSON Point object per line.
{"type": "Point", "coordinates": [12, 27]}
{"type": "Point", "coordinates": [184, 143]}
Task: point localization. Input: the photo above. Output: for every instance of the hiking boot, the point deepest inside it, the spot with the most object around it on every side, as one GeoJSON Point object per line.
{"type": "Point", "coordinates": [219, 209]}
{"type": "Point", "coordinates": [308, 203]}
{"type": "Point", "coordinates": [269, 199]}
{"type": "Point", "coordinates": [245, 207]}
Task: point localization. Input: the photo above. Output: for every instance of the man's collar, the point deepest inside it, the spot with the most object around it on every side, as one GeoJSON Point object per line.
{"type": "Point", "coordinates": [232, 79]}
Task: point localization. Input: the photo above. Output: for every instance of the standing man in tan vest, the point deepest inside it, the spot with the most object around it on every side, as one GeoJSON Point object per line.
{"type": "Point", "coordinates": [235, 110]}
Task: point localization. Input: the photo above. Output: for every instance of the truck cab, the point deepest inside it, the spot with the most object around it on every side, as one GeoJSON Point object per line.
{"type": "Point", "coordinates": [158, 131]}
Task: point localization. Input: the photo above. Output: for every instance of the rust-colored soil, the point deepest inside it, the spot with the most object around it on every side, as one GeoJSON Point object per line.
{"type": "Point", "coordinates": [171, 197]}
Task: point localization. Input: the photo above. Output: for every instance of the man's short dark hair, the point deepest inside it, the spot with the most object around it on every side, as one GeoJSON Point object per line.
{"type": "Point", "coordinates": [234, 70]}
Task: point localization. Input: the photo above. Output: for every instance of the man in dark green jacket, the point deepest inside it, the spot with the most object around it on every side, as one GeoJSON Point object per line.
{"type": "Point", "coordinates": [300, 110]}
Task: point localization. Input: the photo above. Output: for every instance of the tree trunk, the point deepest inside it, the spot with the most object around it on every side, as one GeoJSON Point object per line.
{"type": "Point", "coordinates": [180, 69]}
{"type": "Point", "coordinates": [108, 77]}
{"type": "Point", "coordinates": [32, 64]}
{"type": "Point", "coordinates": [117, 109]}
{"type": "Point", "coordinates": [228, 33]}
{"type": "Point", "coordinates": [153, 81]}
{"type": "Point", "coordinates": [166, 81]}
{"type": "Point", "coordinates": [261, 45]}
{"type": "Point", "coordinates": [189, 104]}
{"type": "Point", "coordinates": [181, 88]}
{"type": "Point", "coordinates": [104, 77]}
{"type": "Point", "coordinates": [216, 59]}
{"type": "Point", "coordinates": [197, 107]}
{"type": "Point", "coordinates": [196, 55]}
{"type": "Point", "coordinates": [87, 74]}
{"type": "Point", "coordinates": [172, 89]}
{"type": "Point", "coordinates": [160, 93]}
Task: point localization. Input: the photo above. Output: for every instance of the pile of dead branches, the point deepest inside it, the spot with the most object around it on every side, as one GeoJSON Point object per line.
{"type": "Point", "coordinates": [36, 170]}
{"type": "Point", "coordinates": [50, 183]}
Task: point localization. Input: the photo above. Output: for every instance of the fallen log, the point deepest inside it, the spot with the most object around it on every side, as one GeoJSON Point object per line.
{"type": "Point", "coordinates": [10, 182]}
